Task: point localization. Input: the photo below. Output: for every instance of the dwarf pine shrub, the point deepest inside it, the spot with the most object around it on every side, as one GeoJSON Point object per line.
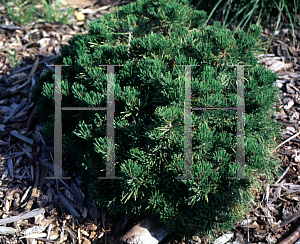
{"type": "Point", "coordinates": [151, 39]}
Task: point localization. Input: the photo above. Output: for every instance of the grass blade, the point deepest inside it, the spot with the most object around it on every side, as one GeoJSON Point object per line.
{"type": "Point", "coordinates": [212, 12]}
{"type": "Point", "coordinates": [238, 13]}
{"type": "Point", "coordinates": [278, 20]}
{"type": "Point", "coordinates": [291, 21]}
{"type": "Point", "coordinates": [247, 15]}
{"type": "Point", "coordinates": [228, 9]}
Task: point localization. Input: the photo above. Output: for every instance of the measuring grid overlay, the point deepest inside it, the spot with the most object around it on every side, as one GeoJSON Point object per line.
{"type": "Point", "coordinates": [110, 162]}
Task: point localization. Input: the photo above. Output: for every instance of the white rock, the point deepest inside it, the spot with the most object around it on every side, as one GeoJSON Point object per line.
{"type": "Point", "coordinates": [146, 231]}
{"type": "Point", "coordinates": [292, 129]}
{"type": "Point", "coordinates": [223, 239]}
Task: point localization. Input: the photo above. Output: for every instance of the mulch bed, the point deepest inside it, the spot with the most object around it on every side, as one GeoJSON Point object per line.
{"type": "Point", "coordinates": [36, 210]}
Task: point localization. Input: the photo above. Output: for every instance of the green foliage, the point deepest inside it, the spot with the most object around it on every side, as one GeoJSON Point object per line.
{"type": "Point", "coordinates": [27, 11]}
{"type": "Point", "coordinates": [261, 11]}
{"type": "Point", "coordinates": [13, 59]}
{"type": "Point", "coordinates": [20, 11]}
{"type": "Point", "coordinates": [150, 39]}
{"type": "Point", "coordinates": [52, 12]}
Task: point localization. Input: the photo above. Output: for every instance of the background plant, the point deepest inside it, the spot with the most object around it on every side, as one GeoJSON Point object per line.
{"type": "Point", "coordinates": [52, 12]}
{"type": "Point", "coordinates": [254, 11]}
{"type": "Point", "coordinates": [38, 10]}
{"type": "Point", "coordinates": [21, 11]}
{"type": "Point", "coordinates": [149, 96]}
{"type": "Point", "coordinates": [13, 58]}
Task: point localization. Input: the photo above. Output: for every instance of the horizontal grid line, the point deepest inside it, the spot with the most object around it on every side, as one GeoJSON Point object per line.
{"type": "Point", "coordinates": [214, 108]}
{"type": "Point", "coordinates": [104, 108]}
{"type": "Point", "coordinates": [83, 108]}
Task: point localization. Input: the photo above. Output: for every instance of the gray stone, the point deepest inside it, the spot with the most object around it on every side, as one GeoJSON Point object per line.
{"type": "Point", "coordinates": [146, 231]}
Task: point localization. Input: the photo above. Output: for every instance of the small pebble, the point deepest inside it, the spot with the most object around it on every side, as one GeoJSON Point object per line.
{"type": "Point", "coordinates": [292, 129]}
{"type": "Point", "coordinates": [289, 105]}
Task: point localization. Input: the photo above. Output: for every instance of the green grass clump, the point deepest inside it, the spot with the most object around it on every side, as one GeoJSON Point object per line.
{"type": "Point", "coordinates": [24, 12]}
{"type": "Point", "coordinates": [262, 10]}
{"type": "Point", "coordinates": [13, 59]}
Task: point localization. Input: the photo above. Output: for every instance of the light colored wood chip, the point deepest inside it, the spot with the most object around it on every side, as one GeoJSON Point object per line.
{"type": "Point", "coordinates": [22, 216]}
{"type": "Point", "coordinates": [33, 230]}
{"type": "Point", "coordinates": [34, 236]}
{"type": "Point", "coordinates": [278, 65]}
{"type": "Point", "coordinates": [25, 194]}
{"type": "Point", "coordinates": [7, 230]}
{"type": "Point", "coordinates": [5, 173]}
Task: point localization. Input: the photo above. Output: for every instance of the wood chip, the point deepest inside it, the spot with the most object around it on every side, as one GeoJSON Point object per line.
{"type": "Point", "coordinates": [278, 65]}
{"type": "Point", "coordinates": [16, 110]}
{"type": "Point", "coordinates": [7, 230]}
{"type": "Point", "coordinates": [33, 230]}
{"type": "Point", "coordinates": [21, 216]}
{"type": "Point", "coordinates": [68, 205]}
{"type": "Point", "coordinates": [23, 138]}
{"type": "Point", "coordinates": [33, 236]}
{"type": "Point", "coordinates": [12, 155]}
